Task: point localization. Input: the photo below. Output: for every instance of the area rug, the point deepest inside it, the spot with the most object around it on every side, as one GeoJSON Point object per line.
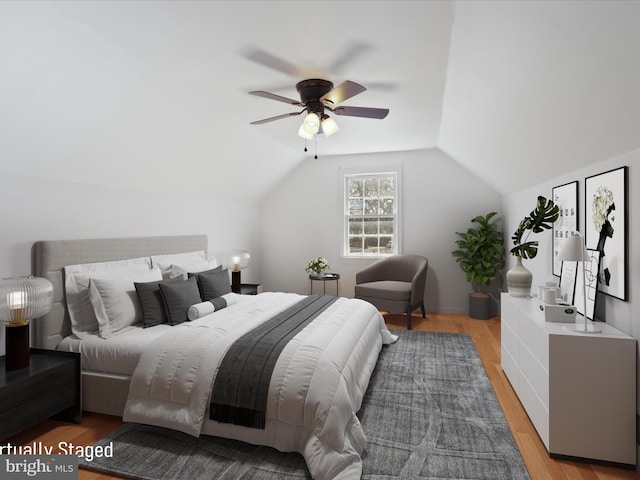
{"type": "Point", "coordinates": [429, 413]}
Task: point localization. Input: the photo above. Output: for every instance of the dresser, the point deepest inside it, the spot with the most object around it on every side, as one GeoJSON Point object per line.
{"type": "Point", "coordinates": [578, 389]}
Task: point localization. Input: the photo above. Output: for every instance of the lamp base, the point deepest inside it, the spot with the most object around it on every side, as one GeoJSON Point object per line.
{"type": "Point", "coordinates": [17, 346]}
{"type": "Point", "coordinates": [236, 283]}
{"type": "Point", "coordinates": [586, 329]}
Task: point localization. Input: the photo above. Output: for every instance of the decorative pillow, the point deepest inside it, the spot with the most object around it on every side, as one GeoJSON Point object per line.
{"type": "Point", "coordinates": [76, 282]}
{"type": "Point", "coordinates": [205, 308]}
{"type": "Point", "coordinates": [214, 283]}
{"type": "Point", "coordinates": [151, 302]}
{"type": "Point", "coordinates": [178, 297]}
{"type": "Point", "coordinates": [115, 302]}
{"type": "Point", "coordinates": [164, 262]}
{"type": "Point", "coordinates": [184, 269]}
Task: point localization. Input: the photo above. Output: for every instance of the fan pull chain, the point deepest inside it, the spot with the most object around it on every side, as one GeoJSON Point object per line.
{"type": "Point", "coordinates": [315, 141]}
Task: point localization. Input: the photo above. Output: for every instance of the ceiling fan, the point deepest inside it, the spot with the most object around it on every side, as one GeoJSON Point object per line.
{"type": "Point", "coordinates": [318, 96]}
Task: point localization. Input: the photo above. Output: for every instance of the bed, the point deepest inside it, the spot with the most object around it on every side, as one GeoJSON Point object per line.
{"type": "Point", "coordinates": [319, 378]}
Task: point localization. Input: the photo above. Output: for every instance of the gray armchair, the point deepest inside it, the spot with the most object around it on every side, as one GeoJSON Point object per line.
{"type": "Point", "coordinates": [394, 284]}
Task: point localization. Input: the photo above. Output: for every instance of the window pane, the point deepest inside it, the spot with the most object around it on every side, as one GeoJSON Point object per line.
{"type": "Point", "coordinates": [387, 243]}
{"type": "Point", "coordinates": [386, 225]}
{"type": "Point", "coordinates": [387, 187]}
{"type": "Point", "coordinates": [371, 245]}
{"type": "Point", "coordinates": [371, 207]}
{"type": "Point", "coordinates": [355, 187]}
{"type": "Point", "coordinates": [355, 226]}
{"type": "Point", "coordinates": [355, 244]}
{"type": "Point", "coordinates": [355, 206]}
{"type": "Point", "coordinates": [371, 226]}
{"type": "Point", "coordinates": [371, 187]}
{"type": "Point", "coordinates": [386, 206]}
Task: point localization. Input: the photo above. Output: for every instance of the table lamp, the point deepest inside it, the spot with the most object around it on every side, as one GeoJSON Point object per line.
{"type": "Point", "coordinates": [22, 299]}
{"type": "Point", "coordinates": [574, 250]}
{"type": "Point", "coordinates": [236, 260]}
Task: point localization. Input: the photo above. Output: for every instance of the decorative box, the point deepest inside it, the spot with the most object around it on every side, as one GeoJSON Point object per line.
{"type": "Point", "coordinates": [560, 312]}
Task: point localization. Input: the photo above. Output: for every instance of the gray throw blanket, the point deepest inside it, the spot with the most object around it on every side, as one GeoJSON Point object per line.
{"type": "Point", "coordinates": [242, 382]}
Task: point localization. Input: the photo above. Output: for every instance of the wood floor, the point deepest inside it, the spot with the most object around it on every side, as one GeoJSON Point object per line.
{"type": "Point", "coordinates": [486, 336]}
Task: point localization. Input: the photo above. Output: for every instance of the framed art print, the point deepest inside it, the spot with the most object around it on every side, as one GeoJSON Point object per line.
{"type": "Point", "coordinates": [566, 197]}
{"type": "Point", "coordinates": [592, 266]}
{"type": "Point", "coordinates": [567, 282]}
{"type": "Point", "coordinates": [606, 228]}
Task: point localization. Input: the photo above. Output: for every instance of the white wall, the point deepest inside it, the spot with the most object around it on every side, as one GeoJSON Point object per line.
{"type": "Point", "coordinates": [34, 209]}
{"type": "Point", "coordinates": [302, 219]}
{"type": "Point", "coordinates": [623, 315]}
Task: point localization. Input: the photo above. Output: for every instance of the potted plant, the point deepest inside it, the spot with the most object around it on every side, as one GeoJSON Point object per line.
{"type": "Point", "coordinates": [541, 218]}
{"type": "Point", "coordinates": [480, 253]}
{"type": "Point", "coordinates": [317, 266]}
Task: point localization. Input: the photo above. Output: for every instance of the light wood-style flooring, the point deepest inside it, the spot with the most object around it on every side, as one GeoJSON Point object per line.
{"type": "Point", "coordinates": [486, 336]}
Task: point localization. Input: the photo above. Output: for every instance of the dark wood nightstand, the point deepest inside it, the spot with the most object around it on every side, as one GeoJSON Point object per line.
{"type": "Point", "coordinates": [49, 386]}
{"type": "Point", "coordinates": [250, 288]}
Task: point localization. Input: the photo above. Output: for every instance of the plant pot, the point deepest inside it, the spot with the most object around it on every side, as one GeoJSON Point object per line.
{"type": "Point", "coordinates": [519, 280]}
{"type": "Point", "coordinates": [480, 306]}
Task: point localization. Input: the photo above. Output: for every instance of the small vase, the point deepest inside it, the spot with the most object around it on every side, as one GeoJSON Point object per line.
{"type": "Point", "coordinates": [519, 280]}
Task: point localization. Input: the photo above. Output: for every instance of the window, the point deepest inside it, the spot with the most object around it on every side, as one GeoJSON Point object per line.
{"type": "Point", "coordinates": [371, 214]}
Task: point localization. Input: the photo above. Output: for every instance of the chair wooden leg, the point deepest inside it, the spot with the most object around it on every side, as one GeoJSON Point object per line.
{"type": "Point", "coordinates": [424, 314]}
{"type": "Point", "coordinates": [408, 318]}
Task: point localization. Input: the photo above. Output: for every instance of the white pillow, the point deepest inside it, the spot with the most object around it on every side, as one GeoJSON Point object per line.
{"type": "Point", "coordinates": [76, 283]}
{"type": "Point", "coordinates": [115, 301]}
{"type": "Point", "coordinates": [182, 269]}
{"type": "Point", "coordinates": [164, 262]}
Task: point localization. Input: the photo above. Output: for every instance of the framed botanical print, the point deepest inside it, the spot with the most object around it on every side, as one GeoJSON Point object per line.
{"type": "Point", "coordinates": [566, 197]}
{"type": "Point", "coordinates": [606, 228]}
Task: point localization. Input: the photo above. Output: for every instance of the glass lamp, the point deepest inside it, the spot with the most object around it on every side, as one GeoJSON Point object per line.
{"type": "Point", "coordinates": [236, 260]}
{"type": "Point", "coordinates": [329, 126]}
{"type": "Point", "coordinates": [311, 123]}
{"type": "Point", "coordinates": [22, 299]}
{"type": "Point", "coordinates": [574, 250]}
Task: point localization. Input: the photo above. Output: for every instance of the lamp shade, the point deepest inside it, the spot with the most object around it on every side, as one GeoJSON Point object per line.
{"type": "Point", "coordinates": [329, 126]}
{"type": "Point", "coordinates": [237, 260]}
{"type": "Point", "coordinates": [573, 249]}
{"type": "Point", "coordinates": [311, 123]}
{"type": "Point", "coordinates": [24, 298]}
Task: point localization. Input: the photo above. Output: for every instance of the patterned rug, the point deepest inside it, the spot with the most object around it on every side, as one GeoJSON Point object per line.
{"type": "Point", "coordinates": [429, 413]}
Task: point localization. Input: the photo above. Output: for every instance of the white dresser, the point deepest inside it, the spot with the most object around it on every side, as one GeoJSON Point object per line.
{"type": "Point", "coordinates": [579, 390]}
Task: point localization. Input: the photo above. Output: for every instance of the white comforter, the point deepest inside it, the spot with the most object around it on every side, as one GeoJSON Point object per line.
{"type": "Point", "coordinates": [316, 388]}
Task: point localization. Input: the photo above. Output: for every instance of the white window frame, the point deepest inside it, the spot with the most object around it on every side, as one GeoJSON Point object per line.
{"type": "Point", "coordinates": [345, 175]}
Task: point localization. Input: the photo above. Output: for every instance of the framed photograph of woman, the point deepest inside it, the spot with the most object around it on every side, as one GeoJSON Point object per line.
{"type": "Point", "coordinates": [606, 228]}
{"type": "Point", "coordinates": [566, 197]}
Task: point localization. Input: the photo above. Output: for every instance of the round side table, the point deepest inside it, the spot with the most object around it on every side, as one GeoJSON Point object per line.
{"type": "Point", "coordinates": [324, 278]}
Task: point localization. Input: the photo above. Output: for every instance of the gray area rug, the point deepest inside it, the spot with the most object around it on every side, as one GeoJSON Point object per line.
{"type": "Point", "coordinates": [429, 413]}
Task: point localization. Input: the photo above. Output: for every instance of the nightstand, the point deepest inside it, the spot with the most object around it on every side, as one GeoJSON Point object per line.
{"type": "Point", "coordinates": [49, 386]}
{"type": "Point", "coordinates": [250, 288]}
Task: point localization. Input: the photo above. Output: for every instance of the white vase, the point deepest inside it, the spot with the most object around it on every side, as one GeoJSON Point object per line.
{"type": "Point", "coordinates": [519, 280]}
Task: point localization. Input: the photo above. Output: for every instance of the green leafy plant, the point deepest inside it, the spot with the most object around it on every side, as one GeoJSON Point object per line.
{"type": "Point", "coordinates": [541, 218]}
{"type": "Point", "coordinates": [317, 266]}
{"type": "Point", "coordinates": [480, 251]}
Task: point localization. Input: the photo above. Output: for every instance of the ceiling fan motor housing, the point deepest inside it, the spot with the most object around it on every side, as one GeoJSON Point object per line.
{"type": "Point", "coordinates": [311, 91]}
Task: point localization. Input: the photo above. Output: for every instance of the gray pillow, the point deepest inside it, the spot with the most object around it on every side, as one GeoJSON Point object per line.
{"type": "Point", "coordinates": [214, 283]}
{"type": "Point", "coordinates": [151, 302]}
{"type": "Point", "coordinates": [178, 297]}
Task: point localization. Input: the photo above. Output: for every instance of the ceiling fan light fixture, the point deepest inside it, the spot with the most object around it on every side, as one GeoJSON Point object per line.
{"type": "Point", "coordinates": [329, 126]}
{"type": "Point", "coordinates": [303, 133]}
{"type": "Point", "coordinates": [311, 123]}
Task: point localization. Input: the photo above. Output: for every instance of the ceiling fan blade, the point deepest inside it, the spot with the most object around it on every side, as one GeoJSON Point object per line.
{"type": "Point", "coordinates": [350, 54]}
{"type": "Point", "coordinates": [342, 92]}
{"type": "Point", "coordinates": [271, 61]}
{"type": "Point", "coordinates": [278, 117]}
{"type": "Point", "coordinates": [365, 112]}
{"type": "Point", "coordinates": [279, 98]}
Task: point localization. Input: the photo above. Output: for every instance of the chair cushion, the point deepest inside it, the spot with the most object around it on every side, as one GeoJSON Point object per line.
{"type": "Point", "coordinates": [387, 289]}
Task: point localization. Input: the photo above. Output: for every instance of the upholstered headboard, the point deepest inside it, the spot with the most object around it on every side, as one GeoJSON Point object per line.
{"type": "Point", "coordinates": [48, 259]}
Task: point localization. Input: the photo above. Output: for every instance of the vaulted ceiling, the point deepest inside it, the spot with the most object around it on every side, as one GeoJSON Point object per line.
{"type": "Point", "coordinates": [154, 95]}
